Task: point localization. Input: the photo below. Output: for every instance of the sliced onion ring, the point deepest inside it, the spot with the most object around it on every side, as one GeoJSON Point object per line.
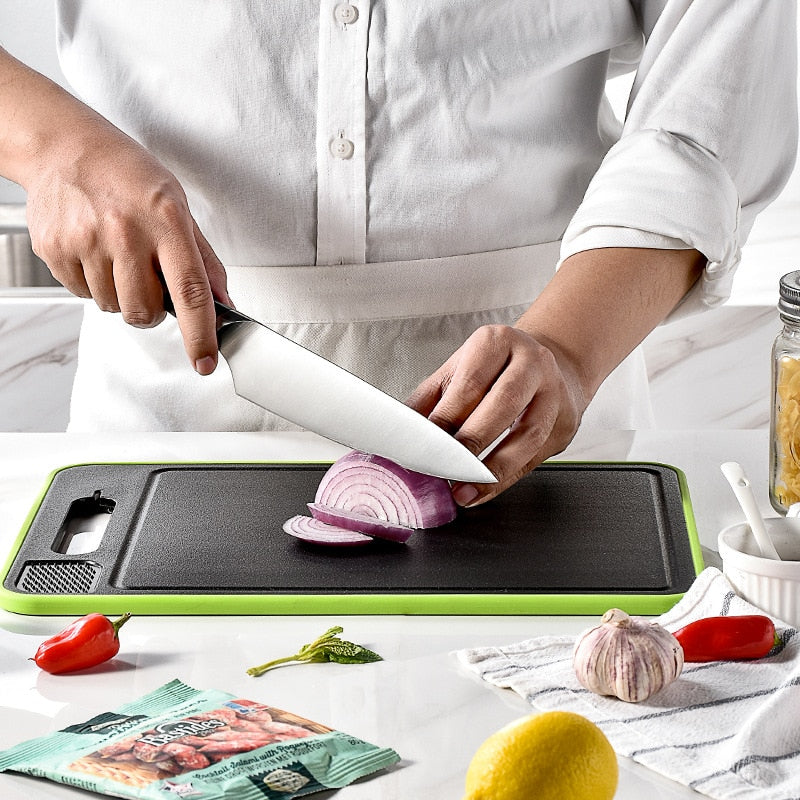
{"type": "Point", "coordinates": [374, 487]}
{"type": "Point", "coordinates": [315, 531]}
{"type": "Point", "coordinates": [351, 520]}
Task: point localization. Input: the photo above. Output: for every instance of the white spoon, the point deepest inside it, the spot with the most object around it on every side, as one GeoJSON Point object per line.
{"type": "Point", "coordinates": [744, 494]}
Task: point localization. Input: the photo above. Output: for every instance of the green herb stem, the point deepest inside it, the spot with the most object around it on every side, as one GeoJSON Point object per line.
{"type": "Point", "coordinates": [256, 671]}
{"type": "Point", "coordinates": [328, 647]}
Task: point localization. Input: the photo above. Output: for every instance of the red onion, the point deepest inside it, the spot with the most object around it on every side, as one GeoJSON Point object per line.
{"type": "Point", "coordinates": [379, 528]}
{"type": "Point", "coordinates": [374, 487]}
{"type": "Point", "coordinates": [363, 496]}
{"type": "Point", "coordinates": [312, 530]}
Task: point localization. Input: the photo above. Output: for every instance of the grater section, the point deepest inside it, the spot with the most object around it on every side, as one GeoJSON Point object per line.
{"type": "Point", "coordinates": [59, 577]}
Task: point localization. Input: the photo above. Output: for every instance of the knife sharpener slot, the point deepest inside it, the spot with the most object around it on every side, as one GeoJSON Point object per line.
{"type": "Point", "coordinates": [84, 525]}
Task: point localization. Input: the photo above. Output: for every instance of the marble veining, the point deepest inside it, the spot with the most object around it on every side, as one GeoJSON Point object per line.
{"type": "Point", "coordinates": [37, 363]}
{"type": "Point", "coordinates": [713, 370]}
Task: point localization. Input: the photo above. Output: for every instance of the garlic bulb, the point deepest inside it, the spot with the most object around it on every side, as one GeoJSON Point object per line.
{"type": "Point", "coordinates": [628, 657]}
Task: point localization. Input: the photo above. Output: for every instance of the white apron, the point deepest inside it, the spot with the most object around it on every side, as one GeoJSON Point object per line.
{"type": "Point", "coordinates": [390, 323]}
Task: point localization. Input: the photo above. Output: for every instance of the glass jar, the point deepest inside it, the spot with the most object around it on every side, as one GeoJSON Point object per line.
{"type": "Point", "coordinates": [784, 456]}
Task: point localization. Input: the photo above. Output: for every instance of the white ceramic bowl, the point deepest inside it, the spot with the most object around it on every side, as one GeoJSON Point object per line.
{"type": "Point", "coordinates": [773, 586]}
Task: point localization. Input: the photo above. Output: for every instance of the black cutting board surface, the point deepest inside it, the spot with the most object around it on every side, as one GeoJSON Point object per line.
{"type": "Point", "coordinates": [569, 537]}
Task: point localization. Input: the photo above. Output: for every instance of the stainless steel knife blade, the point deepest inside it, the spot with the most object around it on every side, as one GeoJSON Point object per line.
{"type": "Point", "coordinates": [295, 383]}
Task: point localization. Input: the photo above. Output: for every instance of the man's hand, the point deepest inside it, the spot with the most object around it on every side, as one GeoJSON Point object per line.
{"type": "Point", "coordinates": [111, 222]}
{"type": "Point", "coordinates": [108, 219]}
{"type": "Point", "coordinates": [502, 380]}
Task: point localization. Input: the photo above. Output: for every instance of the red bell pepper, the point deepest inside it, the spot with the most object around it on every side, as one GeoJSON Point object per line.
{"type": "Point", "coordinates": [727, 638]}
{"type": "Point", "coordinates": [84, 643]}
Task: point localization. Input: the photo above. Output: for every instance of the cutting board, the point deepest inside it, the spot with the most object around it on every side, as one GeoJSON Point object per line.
{"type": "Point", "coordinates": [206, 538]}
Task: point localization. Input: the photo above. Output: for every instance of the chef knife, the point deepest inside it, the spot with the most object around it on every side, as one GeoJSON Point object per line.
{"type": "Point", "coordinates": [295, 383]}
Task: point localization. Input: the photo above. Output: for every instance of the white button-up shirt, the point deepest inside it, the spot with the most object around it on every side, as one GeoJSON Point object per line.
{"type": "Point", "coordinates": [314, 134]}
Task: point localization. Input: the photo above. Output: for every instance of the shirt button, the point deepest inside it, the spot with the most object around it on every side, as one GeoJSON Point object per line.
{"type": "Point", "coordinates": [345, 13]}
{"type": "Point", "coordinates": [342, 148]}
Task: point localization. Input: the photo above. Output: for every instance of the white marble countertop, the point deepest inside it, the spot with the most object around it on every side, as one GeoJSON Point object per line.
{"type": "Point", "coordinates": [418, 700]}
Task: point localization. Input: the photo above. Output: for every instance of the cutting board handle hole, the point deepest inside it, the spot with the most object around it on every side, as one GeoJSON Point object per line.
{"type": "Point", "coordinates": [84, 525]}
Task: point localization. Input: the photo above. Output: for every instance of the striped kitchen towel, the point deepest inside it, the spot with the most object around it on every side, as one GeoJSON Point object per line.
{"type": "Point", "coordinates": [727, 729]}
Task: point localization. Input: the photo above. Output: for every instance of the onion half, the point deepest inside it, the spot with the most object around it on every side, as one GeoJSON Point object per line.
{"type": "Point", "coordinates": [375, 487]}
{"type": "Point", "coordinates": [363, 496]}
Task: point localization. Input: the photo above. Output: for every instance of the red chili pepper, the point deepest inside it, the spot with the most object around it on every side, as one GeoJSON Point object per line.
{"type": "Point", "coordinates": [727, 638]}
{"type": "Point", "coordinates": [84, 643]}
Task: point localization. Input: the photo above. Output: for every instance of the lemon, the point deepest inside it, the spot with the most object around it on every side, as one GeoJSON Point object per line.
{"type": "Point", "coordinates": [556, 755]}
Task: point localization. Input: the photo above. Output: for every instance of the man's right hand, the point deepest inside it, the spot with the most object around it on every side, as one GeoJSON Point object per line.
{"type": "Point", "coordinates": [108, 219]}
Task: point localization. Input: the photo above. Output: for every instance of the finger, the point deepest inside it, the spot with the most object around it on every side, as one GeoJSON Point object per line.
{"type": "Point", "coordinates": [187, 282]}
{"type": "Point", "coordinates": [511, 452]}
{"type": "Point", "coordinates": [508, 462]}
{"type": "Point", "coordinates": [526, 442]}
{"type": "Point", "coordinates": [541, 431]}
{"type": "Point", "coordinates": [49, 244]}
{"type": "Point", "coordinates": [425, 397]}
{"type": "Point", "coordinates": [500, 407]}
{"type": "Point", "coordinates": [139, 290]}
{"type": "Point", "coordinates": [470, 382]}
{"type": "Point", "coordinates": [99, 274]}
{"type": "Point", "coordinates": [217, 277]}
{"type": "Point", "coordinates": [69, 273]}
{"type": "Point", "coordinates": [133, 274]}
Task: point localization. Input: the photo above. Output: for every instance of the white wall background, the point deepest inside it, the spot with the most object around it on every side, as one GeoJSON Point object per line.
{"type": "Point", "coordinates": [28, 31]}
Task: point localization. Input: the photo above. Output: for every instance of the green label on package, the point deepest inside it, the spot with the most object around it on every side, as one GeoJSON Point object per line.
{"type": "Point", "coordinates": [184, 742]}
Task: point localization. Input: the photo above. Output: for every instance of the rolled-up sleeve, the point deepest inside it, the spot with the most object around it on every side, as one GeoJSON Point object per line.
{"type": "Point", "coordinates": [709, 139]}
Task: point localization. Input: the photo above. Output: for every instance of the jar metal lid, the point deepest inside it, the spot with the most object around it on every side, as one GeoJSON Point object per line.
{"type": "Point", "coordinates": [789, 289]}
